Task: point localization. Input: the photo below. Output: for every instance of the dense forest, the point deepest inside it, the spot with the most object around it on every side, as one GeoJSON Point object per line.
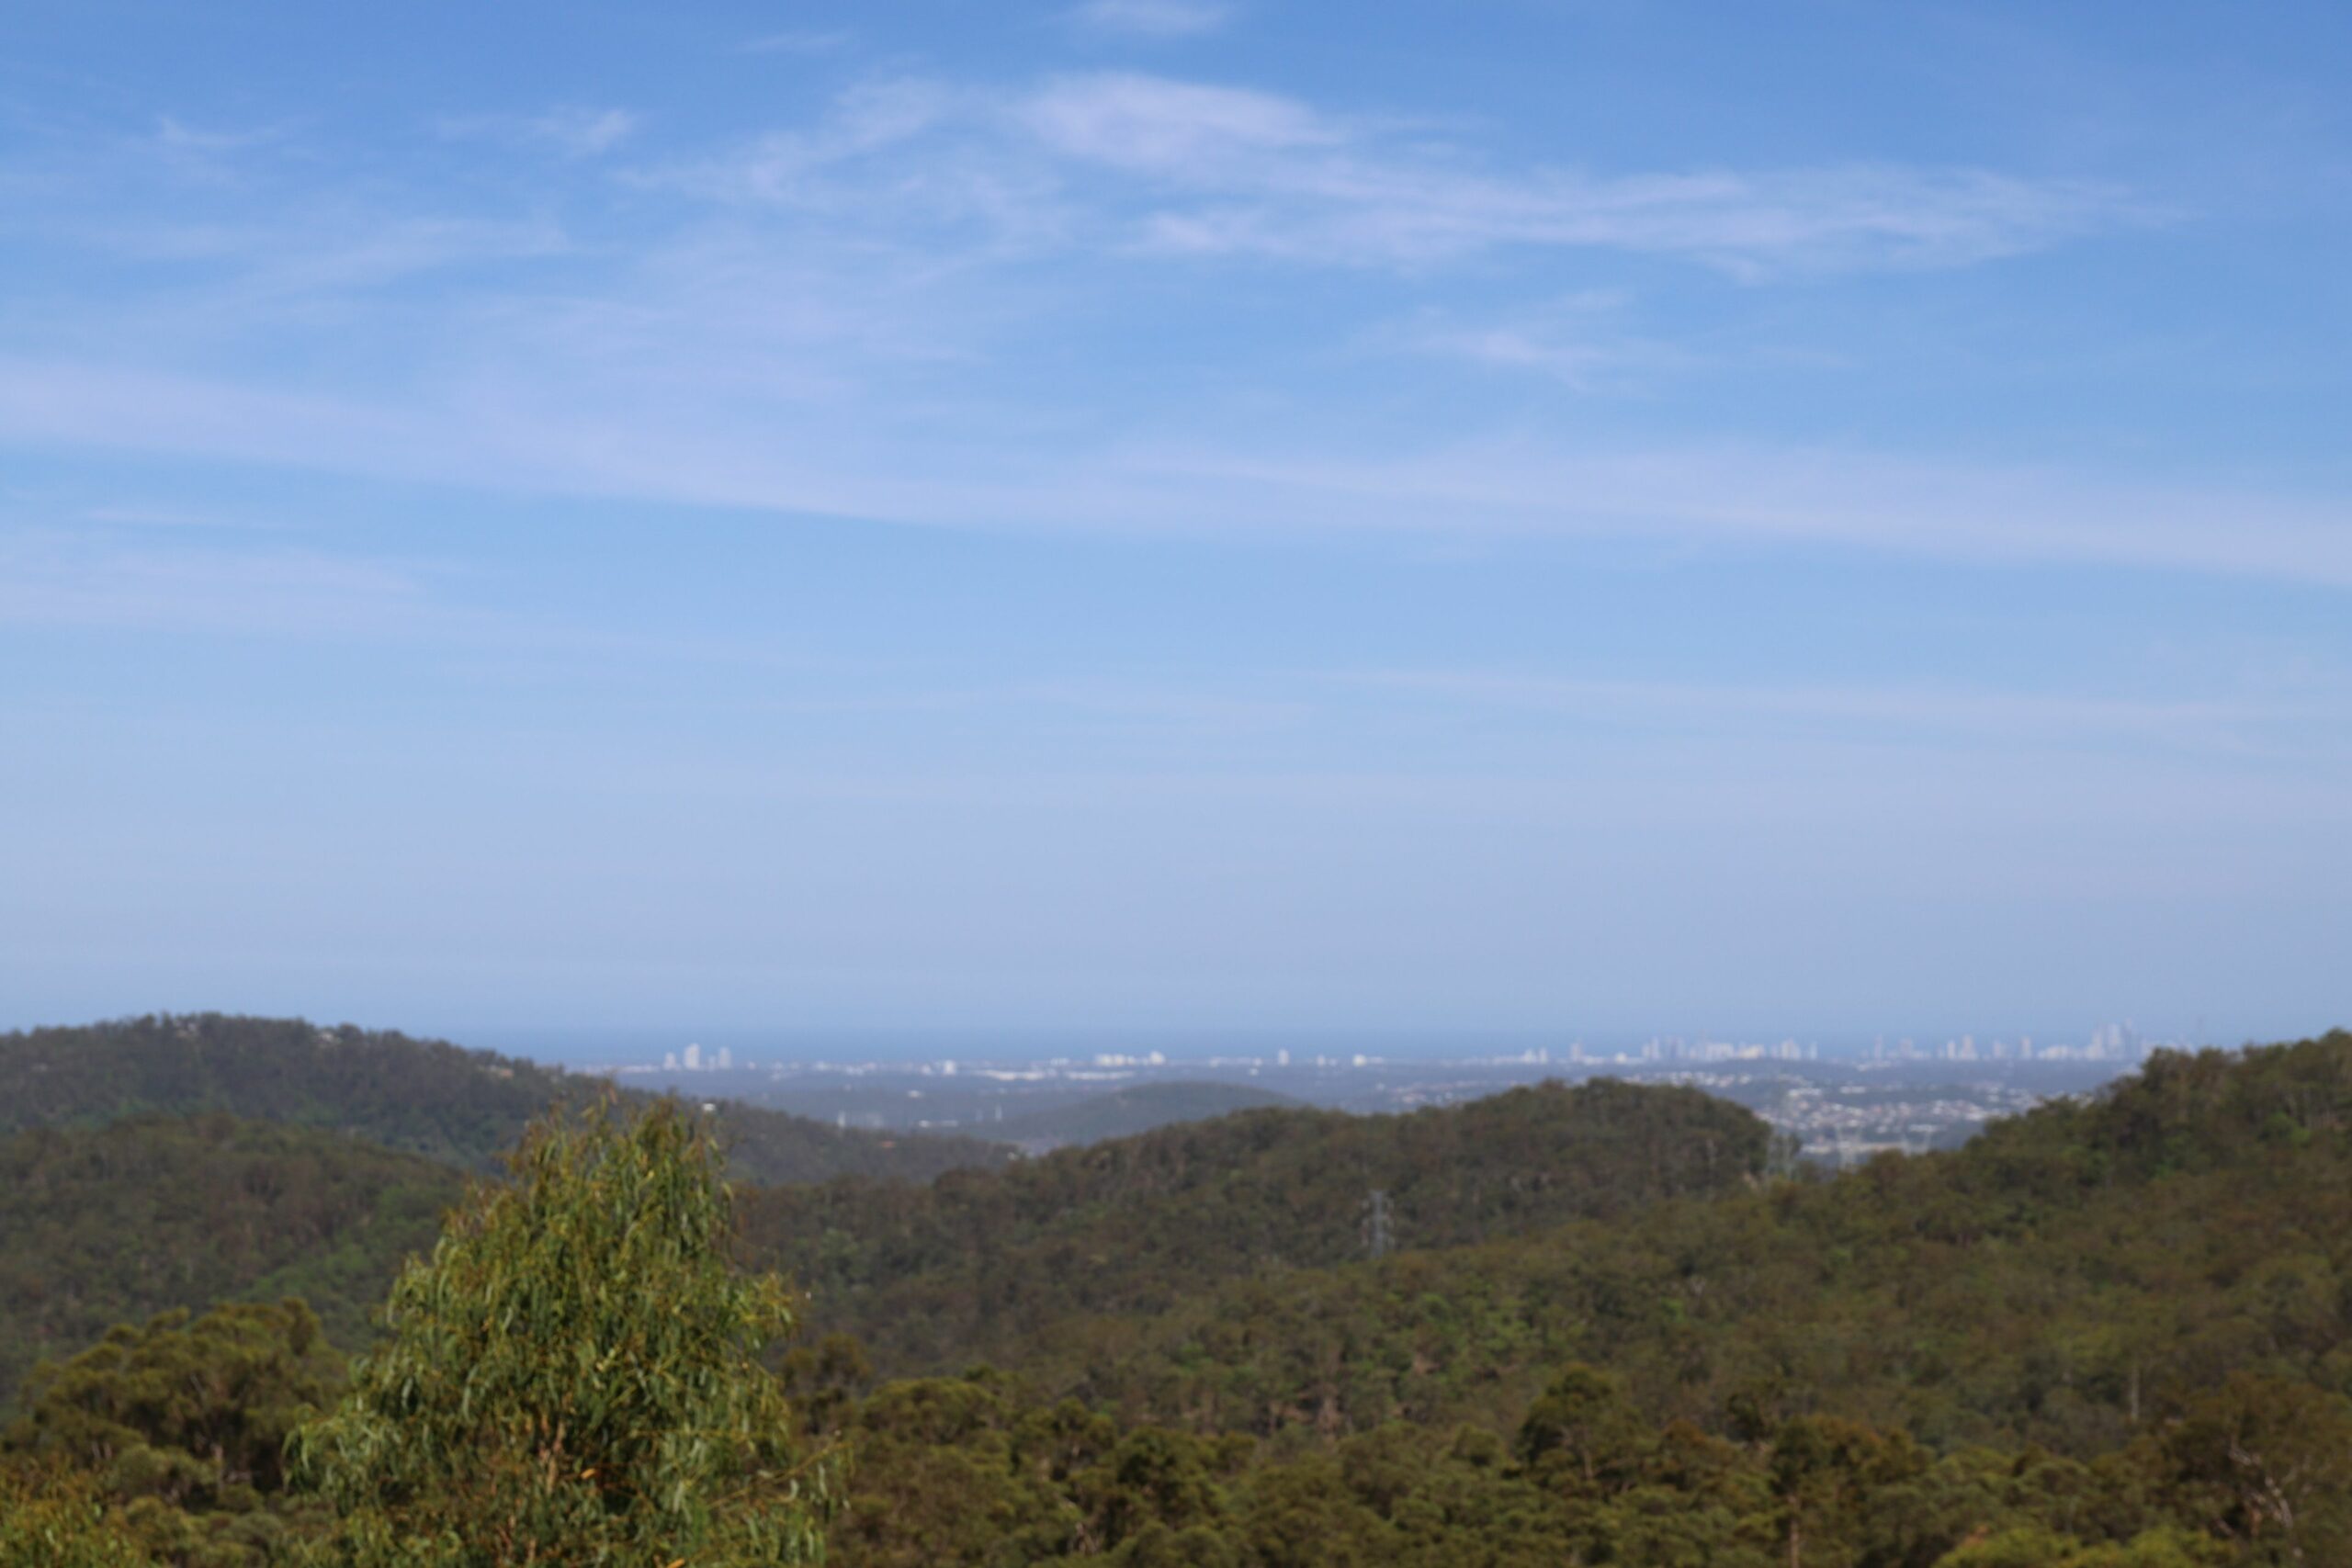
{"type": "Point", "coordinates": [989, 1265]}
{"type": "Point", "coordinates": [2066, 1279]}
{"type": "Point", "coordinates": [1597, 1326]}
{"type": "Point", "coordinates": [114, 1225]}
{"type": "Point", "coordinates": [425, 1097]}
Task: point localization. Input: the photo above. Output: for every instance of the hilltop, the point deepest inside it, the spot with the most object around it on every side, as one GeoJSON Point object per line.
{"type": "Point", "coordinates": [980, 1264]}
{"type": "Point", "coordinates": [2108, 1334]}
{"type": "Point", "coordinates": [427, 1097]}
{"type": "Point", "coordinates": [2070, 1278]}
{"type": "Point", "coordinates": [1127, 1112]}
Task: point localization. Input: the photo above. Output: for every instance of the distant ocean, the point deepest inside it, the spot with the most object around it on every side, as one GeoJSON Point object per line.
{"type": "Point", "coordinates": [609, 1046]}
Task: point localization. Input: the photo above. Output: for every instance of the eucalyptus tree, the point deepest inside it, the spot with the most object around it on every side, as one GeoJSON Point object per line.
{"type": "Point", "coordinates": [575, 1376]}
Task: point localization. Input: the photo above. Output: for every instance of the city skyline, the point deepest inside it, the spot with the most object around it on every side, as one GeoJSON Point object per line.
{"type": "Point", "coordinates": [2117, 1041]}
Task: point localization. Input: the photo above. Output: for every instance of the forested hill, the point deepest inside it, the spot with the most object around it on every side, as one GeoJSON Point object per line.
{"type": "Point", "coordinates": [2073, 1278]}
{"type": "Point", "coordinates": [2114, 1334]}
{"type": "Point", "coordinates": [980, 1263]}
{"type": "Point", "coordinates": [427, 1097]}
{"type": "Point", "coordinates": [115, 1223]}
{"type": "Point", "coordinates": [2179, 1115]}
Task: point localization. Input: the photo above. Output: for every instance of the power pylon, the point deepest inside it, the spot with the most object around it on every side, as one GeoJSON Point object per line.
{"type": "Point", "coordinates": [1378, 1241]}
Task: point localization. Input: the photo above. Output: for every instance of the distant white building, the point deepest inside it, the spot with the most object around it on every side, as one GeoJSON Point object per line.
{"type": "Point", "coordinates": [693, 1058]}
{"type": "Point", "coordinates": [726, 1058]}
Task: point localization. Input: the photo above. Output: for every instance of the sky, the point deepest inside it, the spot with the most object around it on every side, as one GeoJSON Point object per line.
{"type": "Point", "coordinates": [1178, 516]}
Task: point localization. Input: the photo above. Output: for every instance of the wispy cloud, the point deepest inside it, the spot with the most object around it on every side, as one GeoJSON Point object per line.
{"type": "Point", "coordinates": [209, 154]}
{"type": "Point", "coordinates": [1571, 359]}
{"type": "Point", "coordinates": [59, 578]}
{"type": "Point", "coordinates": [1578, 341]}
{"type": "Point", "coordinates": [331, 252]}
{"type": "Point", "coordinates": [1155, 20]}
{"type": "Point", "coordinates": [584, 133]}
{"type": "Point", "coordinates": [1816, 497]}
{"type": "Point", "coordinates": [1155, 165]}
{"type": "Point", "coordinates": [1189, 130]}
{"type": "Point", "coordinates": [727, 453]}
{"type": "Point", "coordinates": [1894, 713]}
{"type": "Point", "coordinates": [1237, 171]}
{"type": "Point", "coordinates": [799, 42]}
{"type": "Point", "coordinates": [133, 514]}
{"type": "Point", "coordinates": [176, 137]}
{"type": "Point", "coordinates": [878, 116]}
{"type": "Point", "coordinates": [570, 132]}
{"type": "Point", "coordinates": [2287, 718]}
{"type": "Point", "coordinates": [831, 318]}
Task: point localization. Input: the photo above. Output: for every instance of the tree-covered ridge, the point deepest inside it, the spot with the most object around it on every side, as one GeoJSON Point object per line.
{"type": "Point", "coordinates": [1124, 1113]}
{"type": "Point", "coordinates": [2179, 1112]}
{"type": "Point", "coordinates": [427, 1097]}
{"type": "Point", "coordinates": [2073, 1278]}
{"type": "Point", "coordinates": [979, 1265]}
{"type": "Point", "coordinates": [2113, 1337]}
{"type": "Point", "coordinates": [113, 1224]}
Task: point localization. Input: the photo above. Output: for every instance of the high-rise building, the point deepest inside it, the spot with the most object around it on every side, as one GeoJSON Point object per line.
{"type": "Point", "coordinates": [726, 1058]}
{"type": "Point", "coordinates": [693, 1058]}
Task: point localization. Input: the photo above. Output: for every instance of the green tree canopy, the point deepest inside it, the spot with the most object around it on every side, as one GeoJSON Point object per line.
{"type": "Point", "coordinates": [574, 1376]}
{"type": "Point", "coordinates": [178, 1429]}
{"type": "Point", "coordinates": [56, 1519]}
{"type": "Point", "coordinates": [202, 1408]}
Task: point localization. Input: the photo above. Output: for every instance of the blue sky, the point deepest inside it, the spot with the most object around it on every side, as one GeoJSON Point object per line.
{"type": "Point", "coordinates": [1180, 516]}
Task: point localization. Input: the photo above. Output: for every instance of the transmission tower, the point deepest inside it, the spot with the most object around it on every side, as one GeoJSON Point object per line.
{"type": "Point", "coordinates": [1378, 1241]}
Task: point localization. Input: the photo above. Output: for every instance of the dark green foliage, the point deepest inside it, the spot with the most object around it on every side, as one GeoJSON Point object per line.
{"type": "Point", "coordinates": [966, 1472]}
{"type": "Point", "coordinates": [574, 1377]}
{"type": "Point", "coordinates": [427, 1097]}
{"type": "Point", "coordinates": [181, 1426]}
{"type": "Point", "coordinates": [50, 1518]}
{"type": "Point", "coordinates": [2110, 1335]}
{"type": "Point", "coordinates": [114, 1225]}
{"type": "Point", "coordinates": [2070, 1280]}
{"type": "Point", "coordinates": [986, 1264]}
{"type": "Point", "coordinates": [2266, 1463]}
{"type": "Point", "coordinates": [2037, 1546]}
{"type": "Point", "coordinates": [1579, 1435]}
{"type": "Point", "coordinates": [1870, 1370]}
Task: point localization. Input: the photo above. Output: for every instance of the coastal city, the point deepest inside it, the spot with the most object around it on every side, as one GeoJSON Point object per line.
{"type": "Point", "coordinates": [1842, 1104]}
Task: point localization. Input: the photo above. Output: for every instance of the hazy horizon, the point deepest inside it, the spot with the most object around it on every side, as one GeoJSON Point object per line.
{"type": "Point", "coordinates": [605, 1045]}
{"type": "Point", "coordinates": [1217, 515]}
